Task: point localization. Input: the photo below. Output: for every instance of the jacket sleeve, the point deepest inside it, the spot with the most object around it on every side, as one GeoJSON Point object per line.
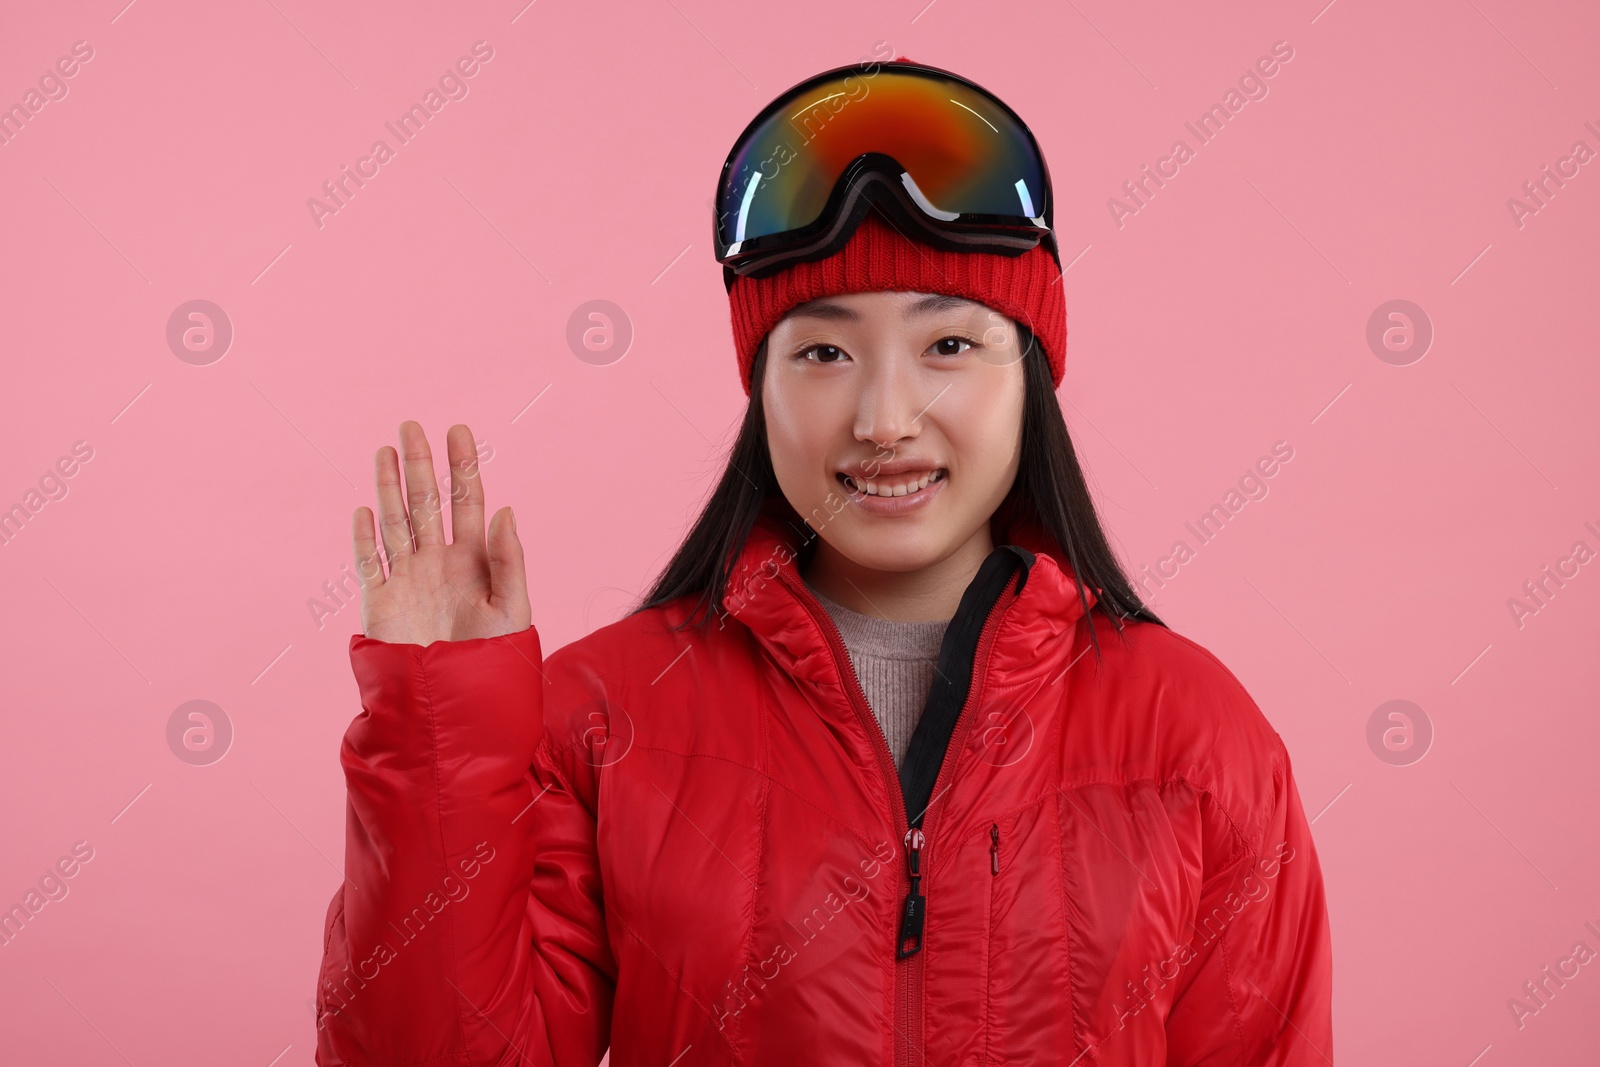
{"type": "Point", "coordinates": [469, 926]}
{"type": "Point", "coordinates": [1259, 985]}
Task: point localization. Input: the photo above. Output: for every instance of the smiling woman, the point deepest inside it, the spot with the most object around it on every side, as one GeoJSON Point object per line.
{"type": "Point", "coordinates": [856, 714]}
{"type": "Point", "coordinates": [894, 398]}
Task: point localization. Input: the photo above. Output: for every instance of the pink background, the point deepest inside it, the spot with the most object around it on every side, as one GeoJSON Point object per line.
{"type": "Point", "coordinates": [1229, 313]}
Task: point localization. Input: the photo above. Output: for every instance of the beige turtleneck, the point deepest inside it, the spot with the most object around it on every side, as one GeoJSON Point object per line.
{"type": "Point", "coordinates": [895, 662]}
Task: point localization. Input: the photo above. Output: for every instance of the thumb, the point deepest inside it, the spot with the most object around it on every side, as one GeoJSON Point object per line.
{"type": "Point", "coordinates": [508, 577]}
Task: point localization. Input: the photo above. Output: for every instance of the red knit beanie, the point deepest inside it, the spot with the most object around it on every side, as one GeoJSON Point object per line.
{"type": "Point", "coordinates": [1026, 288]}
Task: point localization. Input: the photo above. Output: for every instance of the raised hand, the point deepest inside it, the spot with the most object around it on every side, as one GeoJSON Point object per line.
{"type": "Point", "coordinates": [436, 591]}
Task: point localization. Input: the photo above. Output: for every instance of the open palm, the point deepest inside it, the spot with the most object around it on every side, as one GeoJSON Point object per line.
{"type": "Point", "coordinates": [471, 587]}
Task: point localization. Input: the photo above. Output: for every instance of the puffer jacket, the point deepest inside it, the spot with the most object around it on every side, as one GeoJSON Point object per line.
{"type": "Point", "coordinates": [694, 848]}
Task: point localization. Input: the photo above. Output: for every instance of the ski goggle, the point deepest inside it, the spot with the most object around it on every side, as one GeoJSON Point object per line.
{"type": "Point", "coordinates": [936, 152]}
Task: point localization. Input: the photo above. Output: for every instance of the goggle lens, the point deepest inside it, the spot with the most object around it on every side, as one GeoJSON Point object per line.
{"type": "Point", "coordinates": [967, 154]}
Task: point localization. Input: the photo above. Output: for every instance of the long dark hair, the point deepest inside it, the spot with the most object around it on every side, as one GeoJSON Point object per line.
{"type": "Point", "coordinates": [1049, 489]}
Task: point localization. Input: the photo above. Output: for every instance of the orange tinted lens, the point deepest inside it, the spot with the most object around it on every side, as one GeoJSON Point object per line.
{"type": "Point", "coordinates": [967, 154]}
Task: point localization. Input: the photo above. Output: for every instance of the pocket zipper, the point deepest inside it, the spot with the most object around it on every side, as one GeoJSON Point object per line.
{"type": "Point", "coordinates": [994, 849]}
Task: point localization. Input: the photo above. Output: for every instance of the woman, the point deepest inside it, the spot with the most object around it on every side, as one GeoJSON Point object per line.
{"type": "Point", "coordinates": [891, 766]}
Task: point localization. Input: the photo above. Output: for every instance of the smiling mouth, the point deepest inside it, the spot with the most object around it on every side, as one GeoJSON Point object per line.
{"type": "Point", "coordinates": [891, 486]}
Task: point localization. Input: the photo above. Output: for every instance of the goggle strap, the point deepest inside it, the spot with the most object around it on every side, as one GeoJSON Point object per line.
{"type": "Point", "coordinates": [876, 189]}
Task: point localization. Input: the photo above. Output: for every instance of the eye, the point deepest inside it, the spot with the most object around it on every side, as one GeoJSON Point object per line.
{"type": "Point", "coordinates": [938, 347]}
{"type": "Point", "coordinates": [833, 353]}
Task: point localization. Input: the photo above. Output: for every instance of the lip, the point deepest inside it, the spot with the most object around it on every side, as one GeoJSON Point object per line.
{"type": "Point", "coordinates": [891, 506]}
{"type": "Point", "coordinates": [885, 469]}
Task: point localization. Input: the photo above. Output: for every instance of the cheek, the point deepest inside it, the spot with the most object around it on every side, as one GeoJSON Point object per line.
{"type": "Point", "coordinates": [797, 436]}
{"type": "Point", "coordinates": [984, 427]}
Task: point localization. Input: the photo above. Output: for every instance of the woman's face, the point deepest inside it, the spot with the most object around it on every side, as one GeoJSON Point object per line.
{"type": "Point", "coordinates": [891, 388]}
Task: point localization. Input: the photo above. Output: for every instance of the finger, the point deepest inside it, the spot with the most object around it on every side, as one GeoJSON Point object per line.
{"type": "Point", "coordinates": [508, 577]}
{"type": "Point", "coordinates": [422, 491]}
{"type": "Point", "coordinates": [466, 490]}
{"type": "Point", "coordinates": [363, 541]}
{"type": "Point", "coordinates": [392, 521]}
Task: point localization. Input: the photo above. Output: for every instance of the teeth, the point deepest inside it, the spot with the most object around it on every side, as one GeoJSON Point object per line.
{"type": "Point", "coordinates": [886, 488]}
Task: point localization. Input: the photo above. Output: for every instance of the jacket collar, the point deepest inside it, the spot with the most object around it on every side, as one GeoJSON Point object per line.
{"type": "Point", "coordinates": [766, 593]}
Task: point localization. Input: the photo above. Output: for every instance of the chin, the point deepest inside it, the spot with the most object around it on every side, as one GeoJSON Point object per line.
{"type": "Point", "coordinates": [883, 545]}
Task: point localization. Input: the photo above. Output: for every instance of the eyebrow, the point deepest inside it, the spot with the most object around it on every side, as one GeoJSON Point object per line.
{"type": "Point", "coordinates": [927, 305]}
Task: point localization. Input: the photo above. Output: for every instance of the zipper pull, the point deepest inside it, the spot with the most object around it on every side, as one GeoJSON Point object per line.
{"type": "Point", "coordinates": [915, 909]}
{"type": "Point", "coordinates": [994, 849]}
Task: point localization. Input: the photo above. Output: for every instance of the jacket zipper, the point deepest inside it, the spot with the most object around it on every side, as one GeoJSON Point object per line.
{"type": "Point", "coordinates": [958, 737]}
{"type": "Point", "coordinates": [908, 966]}
{"type": "Point", "coordinates": [988, 942]}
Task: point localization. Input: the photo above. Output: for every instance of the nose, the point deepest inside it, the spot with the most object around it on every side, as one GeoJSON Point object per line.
{"type": "Point", "coordinates": [891, 403]}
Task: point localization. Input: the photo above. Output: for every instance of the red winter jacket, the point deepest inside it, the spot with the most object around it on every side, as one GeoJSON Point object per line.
{"type": "Point", "coordinates": [694, 847]}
